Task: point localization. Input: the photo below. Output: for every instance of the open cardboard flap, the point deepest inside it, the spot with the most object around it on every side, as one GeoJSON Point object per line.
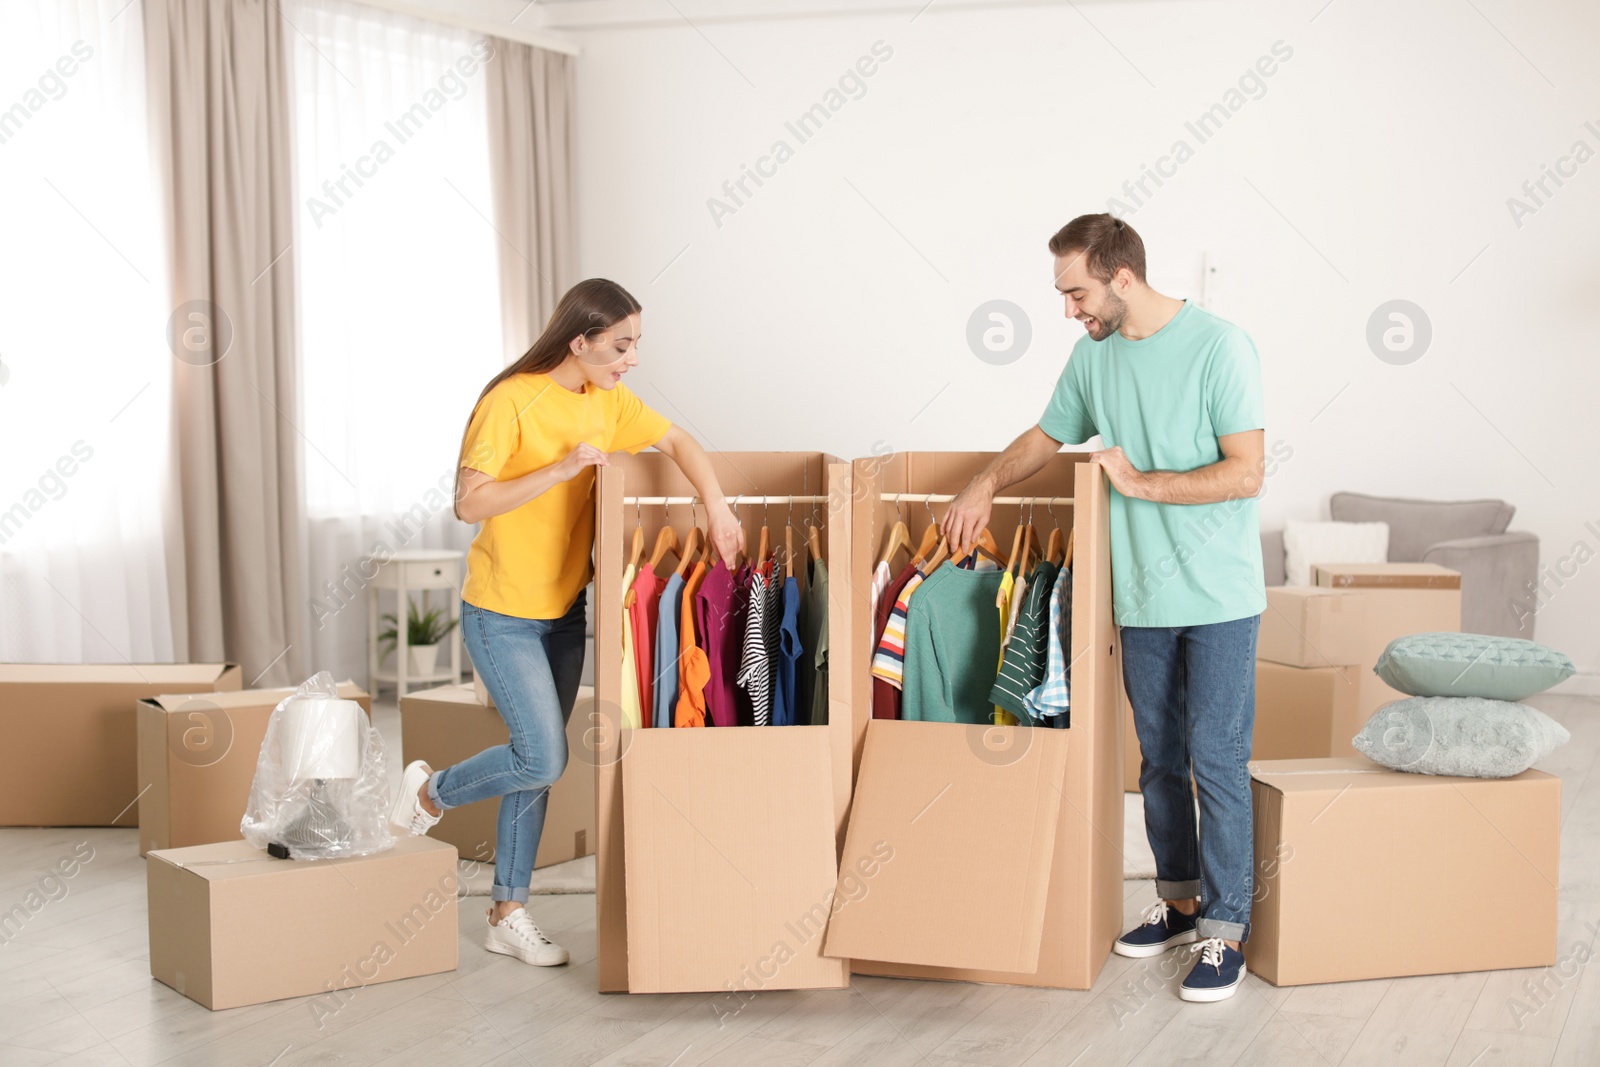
{"type": "Point", "coordinates": [730, 859]}
{"type": "Point", "coordinates": [961, 821]}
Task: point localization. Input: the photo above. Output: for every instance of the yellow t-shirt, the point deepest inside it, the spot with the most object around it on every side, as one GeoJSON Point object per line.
{"type": "Point", "coordinates": [533, 561]}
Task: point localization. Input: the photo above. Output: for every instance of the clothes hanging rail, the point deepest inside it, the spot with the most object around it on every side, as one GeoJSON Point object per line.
{"type": "Point", "coordinates": [741, 501]}
{"type": "Point", "coordinates": [945, 498]}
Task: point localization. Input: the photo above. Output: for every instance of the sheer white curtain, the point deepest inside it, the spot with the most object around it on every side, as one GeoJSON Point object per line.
{"type": "Point", "coordinates": [84, 361]}
{"type": "Point", "coordinates": [399, 292]}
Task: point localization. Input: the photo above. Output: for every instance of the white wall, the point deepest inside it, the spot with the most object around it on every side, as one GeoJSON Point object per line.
{"type": "Point", "coordinates": [830, 310]}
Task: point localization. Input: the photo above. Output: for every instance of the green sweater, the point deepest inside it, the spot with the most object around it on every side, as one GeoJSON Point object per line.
{"type": "Point", "coordinates": [952, 646]}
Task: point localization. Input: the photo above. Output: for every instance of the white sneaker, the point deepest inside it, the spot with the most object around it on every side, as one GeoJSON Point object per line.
{"type": "Point", "coordinates": [516, 935]}
{"type": "Point", "coordinates": [408, 812]}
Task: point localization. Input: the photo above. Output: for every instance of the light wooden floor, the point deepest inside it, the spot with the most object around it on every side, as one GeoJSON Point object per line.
{"type": "Point", "coordinates": [75, 989]}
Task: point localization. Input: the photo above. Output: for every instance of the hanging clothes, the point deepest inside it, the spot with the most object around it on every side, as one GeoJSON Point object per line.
{"type": "Point", "coordinates": [664, 681]}
{"type": "Point", "coordinates": [646, 593]}
{"type": "Point", "coordinates": [632, 717]}
{"type": "Point", "coordinates": [755, 661]}
{"type": "Point", "coordinates": [952, 646]}
{"type": "Point", "coordinates": [888, 661]}
{"type": "Point", "coordinates": [815, 634]}
{"type": "Point", "coordinates": [881, 576]}
{"type": "Point", "coordinates": [1008, 586]}
{"type": "Point", "coordinates": [790, 649]}
{"type": "Point", "coordinates": [1027, 649]}
{"type": "Point", "coordinates": [1050, 701]}
{"type": "Point", "coordinates": [886, 694]}
{"type": "Point", "coordinates": [693, 669]}
{"type": "Point", "coordinates": [716, 624]}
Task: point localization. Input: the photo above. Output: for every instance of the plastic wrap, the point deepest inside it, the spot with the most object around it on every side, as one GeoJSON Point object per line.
{"type": "Point", "coordinates": [321, 789]}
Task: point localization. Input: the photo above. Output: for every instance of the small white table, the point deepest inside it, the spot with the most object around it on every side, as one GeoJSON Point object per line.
{"type": "Point", "coordinates": [404, 573]}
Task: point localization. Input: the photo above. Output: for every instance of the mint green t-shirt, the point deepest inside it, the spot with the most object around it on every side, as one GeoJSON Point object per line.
{"type": "Point", "coordinates": [1165, 400]}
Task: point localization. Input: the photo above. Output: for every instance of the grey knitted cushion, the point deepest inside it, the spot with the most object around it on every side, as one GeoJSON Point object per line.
{"type": "Point", "coordinates": [1466, 736]}
{"type": "Point", "coordinates": [1471, 665]}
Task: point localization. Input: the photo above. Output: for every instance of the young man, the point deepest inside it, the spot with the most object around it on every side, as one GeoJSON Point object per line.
{"type": "Point", "coordinates": [1175, 394]}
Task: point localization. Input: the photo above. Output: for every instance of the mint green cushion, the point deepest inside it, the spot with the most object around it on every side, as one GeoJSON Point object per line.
{"type": "Point", "coordinates": [1459, 736]}
{"type": "Point", "coordinates": [1471, 665]}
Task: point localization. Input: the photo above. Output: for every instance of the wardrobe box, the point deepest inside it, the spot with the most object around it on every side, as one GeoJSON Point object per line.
{"type": "Point", "coordinates": [987, 853]}
{"type": "Point", "coordinates": [716, 862]}
{"type": "Point", "coordinates": [71, 743]}
{"type": "Point", "coordinates": [1402, 598]}
{"type": "Point", "coordinates": [197, 760]}
{"type": "Point", "coordinates": [1311, 626]}
{"type": "Point", "coordinates": [1305, 712]}
{"type": "Point", "coordinates": [446, 725]}
{"type": "Point", "coordinates": [1363, 872]}
{"type": "Point", "coordinates": [231, 926]}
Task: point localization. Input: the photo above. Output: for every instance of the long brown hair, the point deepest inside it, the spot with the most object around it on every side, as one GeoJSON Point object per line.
{"type": "Point", "coordinates": [590, 307]}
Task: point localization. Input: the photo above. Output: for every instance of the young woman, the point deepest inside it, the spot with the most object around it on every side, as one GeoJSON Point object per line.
{"type": "Point", "coordinates": [525, 473]}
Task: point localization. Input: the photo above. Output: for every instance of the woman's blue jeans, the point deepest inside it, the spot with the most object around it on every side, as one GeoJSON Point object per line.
{"type": "Point", "coordinates": [1193, 691]}
{"type": "Point", "coordinates": [531, 667]}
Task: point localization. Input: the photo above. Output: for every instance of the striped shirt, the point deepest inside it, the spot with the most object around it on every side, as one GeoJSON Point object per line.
{"type": "Point", "coordinates": [1027, 649]}
{"type": "Point", "coordinates": [1052, 698]}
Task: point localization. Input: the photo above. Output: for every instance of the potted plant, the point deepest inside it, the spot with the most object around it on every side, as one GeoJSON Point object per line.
{"type": "Point", "coordinates": [424, 631]}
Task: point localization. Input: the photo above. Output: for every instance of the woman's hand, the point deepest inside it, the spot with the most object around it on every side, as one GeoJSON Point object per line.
{"type": "Point", "coordinates": [967, 516]}
{"type": "Point", "coordinates": [585, 455]}
{"type": "Point", "coordinates": [724, 533]}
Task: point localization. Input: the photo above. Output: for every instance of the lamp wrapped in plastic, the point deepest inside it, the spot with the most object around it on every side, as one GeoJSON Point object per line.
{"type": "Point", "coordinates": [321, 789]}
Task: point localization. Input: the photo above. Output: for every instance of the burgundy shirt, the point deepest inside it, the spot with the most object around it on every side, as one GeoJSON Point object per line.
{"type": "Point", "coordinates": [719, 636]}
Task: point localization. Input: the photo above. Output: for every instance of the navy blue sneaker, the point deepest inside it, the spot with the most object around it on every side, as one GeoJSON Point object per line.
{"type": "Point", "coordinates": [1216, 974]}
{"type": "Point", "coordinates": [1162, 928]}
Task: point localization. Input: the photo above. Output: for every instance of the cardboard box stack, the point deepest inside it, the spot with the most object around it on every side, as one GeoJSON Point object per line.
{"type": "Point", "coordinates": [197, 758]}
{"type": "Point", "coordinates": [1358, 871]}
{"type": "Point", "coordinates": [231, 926]}
{"type": "Point", "coordinates": [71, 740]}
{"type": "Point", "coordinates": [448, 724]}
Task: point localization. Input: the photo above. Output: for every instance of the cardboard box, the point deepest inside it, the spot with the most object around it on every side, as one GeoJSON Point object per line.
{"type": "Point", "coordinates": [197, 760]}
{"type": "Point", "coordinates": [1384, 576]}
{"type": "Point", "coordinates": [1310, 626]}
{"type": "Point", "coordinates": [71, 742]}
{"type": "Point", "coordinates": [1360, 872]}
{"type": "Point", "coordinates": [642, 945]}
{"type": "Point", "coordinates": [1006, 840]}
{"type": "Point", "coordinates": [447, 724]}
{"type": "Point", "coordinates": [731, 863]}
{"type": "Point", "coordinates": [1402, 598]}
{"type": "Point", "coordinates": [1305, 712]}
{"type": "Point", "coordinates": [230, 926]}
{"type": "Point", "coordinates": [1301, 713]}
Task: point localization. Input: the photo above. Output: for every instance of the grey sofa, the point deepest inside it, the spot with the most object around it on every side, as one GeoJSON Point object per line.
{"type": "Point", "coordinates": [1470, 536]}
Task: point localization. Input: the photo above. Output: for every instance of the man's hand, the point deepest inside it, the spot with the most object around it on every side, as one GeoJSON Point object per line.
{"type": "Point", "coordinates": [1124, 477]}
{"type": "Point", "coordinates": [967, 516]}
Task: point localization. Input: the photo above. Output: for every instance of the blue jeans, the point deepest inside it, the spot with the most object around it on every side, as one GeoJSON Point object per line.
{"type": "Point", "coordinates": [531, 667]}
{"type": "Point", "coordinates": [1193, 691]}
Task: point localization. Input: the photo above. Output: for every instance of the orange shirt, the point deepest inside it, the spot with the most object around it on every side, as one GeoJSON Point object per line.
{"type": "Point", "coordinates": [694, 670]}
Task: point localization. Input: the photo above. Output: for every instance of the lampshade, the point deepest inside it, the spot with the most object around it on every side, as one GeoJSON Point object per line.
{"type": "Point", "coordinates": [321, 738]}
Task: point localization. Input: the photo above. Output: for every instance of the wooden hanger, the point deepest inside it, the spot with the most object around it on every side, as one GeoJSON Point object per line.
{"type": "Point", "coordinates": [899, 540]}
{"type": "Point", "coordinates": [764, 546]}
{"type": "Point", "coordinates": [1066, 560]}
{"type": "Point", "coordinates": [930, 541]}
{"type": "Point", "coordinates": [691, 548]}
{"type": "Point", "coordinates": [634, 557]}
{"type": "Point", "coordinates": [788, 551]}
{"type": "Point", "coordinates": [666, 541]}
{"type": "Point", "coordinates": [814, 542]}
{"type": "Point", "coordinates": [1057, 550]}
{"type": "Point", "coordinates": [985, 547]}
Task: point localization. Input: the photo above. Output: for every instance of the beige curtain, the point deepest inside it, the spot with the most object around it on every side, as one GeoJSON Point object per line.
{"type": "Point", "coordinates": [220, 105]}
{"type": "Point", "coordinates": [531, 160]}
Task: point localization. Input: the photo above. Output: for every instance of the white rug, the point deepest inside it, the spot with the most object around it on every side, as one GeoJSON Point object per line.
{"type": "Point", "coordinates": [577, 876]}
{"type": "Point", "coordinates": [574, 876]}
{"type": "Point", "coordinates": [1137, 859]}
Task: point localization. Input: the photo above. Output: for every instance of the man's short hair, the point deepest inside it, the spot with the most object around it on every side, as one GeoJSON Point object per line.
{"type": "Point", "coordinates": [1107, 243]}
